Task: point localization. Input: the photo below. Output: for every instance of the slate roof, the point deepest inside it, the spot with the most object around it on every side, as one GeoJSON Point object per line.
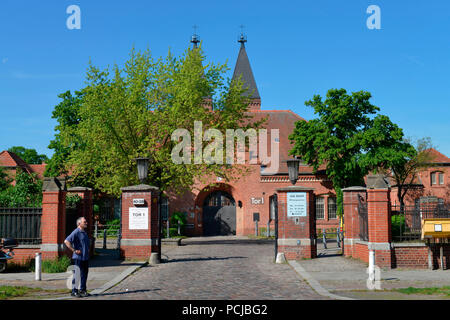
{"type": "Point", "coordinates": [243, 68]}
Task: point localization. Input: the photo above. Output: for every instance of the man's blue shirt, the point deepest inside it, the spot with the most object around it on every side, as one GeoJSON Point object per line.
{"type": "Point", "coordinates": [80, 241]}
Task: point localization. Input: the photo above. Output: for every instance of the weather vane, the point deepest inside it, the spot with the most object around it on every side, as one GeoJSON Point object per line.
{"type": "Point", "coordinates": [242, 38]}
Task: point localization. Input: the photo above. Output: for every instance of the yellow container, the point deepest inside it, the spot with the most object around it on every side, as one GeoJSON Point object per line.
{"type": "Point", "coordinates": [436, 228]}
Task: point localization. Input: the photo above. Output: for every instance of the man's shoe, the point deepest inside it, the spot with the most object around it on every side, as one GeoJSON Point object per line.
{"type": "Point", "coordinates": [75, 294]}
{"type": "Point", "coordinates": [84, 294]}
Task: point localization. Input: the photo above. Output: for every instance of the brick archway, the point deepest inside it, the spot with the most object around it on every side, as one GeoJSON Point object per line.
{"type": "Point", "coordinates": [227, 212]}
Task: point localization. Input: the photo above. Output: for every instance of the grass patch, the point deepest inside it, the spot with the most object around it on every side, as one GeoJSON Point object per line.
{"type": "Point", "coordinates": [48, 266]}
{"type": "Point", "coordinates": [8, 292]}
{"type": "Point", "coordinates": [57, 265]}
{"type": "Point", "coordinates": [11, 292]}
{"type": "Point", "coordinates": [427, 291]}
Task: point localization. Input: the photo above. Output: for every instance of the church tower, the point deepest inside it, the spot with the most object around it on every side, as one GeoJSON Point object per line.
{"type": "Point", "coordinates": [243, 68]}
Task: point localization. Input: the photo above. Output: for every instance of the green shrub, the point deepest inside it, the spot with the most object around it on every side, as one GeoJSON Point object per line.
{"type": "Point", "coordinates": [398, 224]}
{"type": "Point", "coordinates": [178, 219]}
{"type": "Point", "coordinates": [173, 232]}
{"type": "Point", "coordinates": [72, 200]}
{"type": "Point", "coordinates": [113, 227]}
{"type": "Point", "coordinates": [56, 265]}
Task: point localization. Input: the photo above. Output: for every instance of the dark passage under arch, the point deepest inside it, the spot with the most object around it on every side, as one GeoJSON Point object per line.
{"type": "Point", "coordinates": [219, 214]}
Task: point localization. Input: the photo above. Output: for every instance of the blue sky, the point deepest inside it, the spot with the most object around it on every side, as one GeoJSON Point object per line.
{"type": "Point", "coordinates": [296, 49]}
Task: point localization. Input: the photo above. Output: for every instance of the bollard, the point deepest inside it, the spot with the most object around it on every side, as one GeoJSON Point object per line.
{"type": "Point", "coordinates": [268, 229]}
{"type": "Point", "coordinates": [372, 265]}
{"type": "Point", "coordinates": [338, 234]}
{"type": "Point", "coordinates": [168, 229]}
{"type": "Point", "coordinates": [256, 228]}
{"type": "Point", "coordinates": [324, 236]}
{"type": "Point", "coordinates": [38, 267]}
{"type": "Point", "coordinates": [104, 239]}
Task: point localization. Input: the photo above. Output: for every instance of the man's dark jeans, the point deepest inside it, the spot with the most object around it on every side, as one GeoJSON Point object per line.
{"type": "Point", "coordinates": [80, 274]}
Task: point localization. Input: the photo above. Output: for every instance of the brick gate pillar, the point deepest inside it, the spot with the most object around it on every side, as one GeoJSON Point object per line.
{"type": "Point", "coordinates": [351, 218]}
{"type": "Point", "coordinates": [86, 210]}
{"type": "Point", "coordinates": [296, 223]}
{"type": "Point", "coordinates": [379, 219]}
{"type": "Point", "coordinates": [53, 220]}
{"type": "Point", "coordinates": [140, 233]}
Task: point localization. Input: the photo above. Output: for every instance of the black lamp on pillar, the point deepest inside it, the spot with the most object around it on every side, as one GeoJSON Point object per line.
{"type": "Point", "coordinates": [293, 165]}
{"type": "Point", "coordinates": [142, 166]}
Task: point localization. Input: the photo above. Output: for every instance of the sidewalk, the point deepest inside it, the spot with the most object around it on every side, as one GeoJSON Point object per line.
{"type": "Point", "coordinates": [105, 270]}
{"type": "Point", "coordinates": [347, 277]}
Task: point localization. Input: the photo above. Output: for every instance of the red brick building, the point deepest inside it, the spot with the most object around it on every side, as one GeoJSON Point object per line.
{"type": "Point", "coordinates": [433, 181]}
{"type": "Point", "coordinates": [10, 162]}
{"type": "Point", "coordinates": [229, 207]}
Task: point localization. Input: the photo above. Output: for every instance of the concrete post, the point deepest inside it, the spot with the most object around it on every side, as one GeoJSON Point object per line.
{"type": "Point", "coordinates": [38, 267]}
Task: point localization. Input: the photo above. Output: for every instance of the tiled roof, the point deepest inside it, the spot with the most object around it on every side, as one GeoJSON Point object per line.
{"type": "Point", "coordinates": [437, 157]}
{"type": "Point", "coordinates": [10, 159]}
{"type": "Point", "coordinates": [284, 121]}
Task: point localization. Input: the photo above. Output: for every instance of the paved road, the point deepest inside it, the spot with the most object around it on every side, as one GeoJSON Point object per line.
{"type": "Point", "coordinates": [224, 268]}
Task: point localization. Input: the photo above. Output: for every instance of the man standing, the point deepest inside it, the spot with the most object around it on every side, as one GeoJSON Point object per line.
{"type": "Point", "coordinates": [78, 243]}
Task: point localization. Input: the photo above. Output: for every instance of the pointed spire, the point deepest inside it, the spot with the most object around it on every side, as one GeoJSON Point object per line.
{"type": "Point", "coordinates": [243, 68]}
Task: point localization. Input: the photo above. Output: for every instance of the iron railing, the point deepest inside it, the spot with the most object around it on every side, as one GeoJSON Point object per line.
{"type": "Point", "coordinates": [406, 222]}
{"type": "Point", "coordinates": [22, 224]}
{"type": "Point", "coordinates": [363, 220]}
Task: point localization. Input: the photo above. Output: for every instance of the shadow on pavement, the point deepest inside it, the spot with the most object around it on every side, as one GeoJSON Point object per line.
{"type": "Point", "coordinates": [123, 292]}
{"type": "Point", "coordinates": [201, 259]}
{"type": "Point", "coordinates": [228, 241]}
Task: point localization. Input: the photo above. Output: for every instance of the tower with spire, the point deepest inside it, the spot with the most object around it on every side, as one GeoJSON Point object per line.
{"type": "Point", "coordinates": [244, 69]}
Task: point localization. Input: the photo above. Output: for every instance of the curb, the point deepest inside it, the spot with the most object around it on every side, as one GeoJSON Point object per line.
{"type": "Point", "coordinates": [117, 279]}
{"type": "Point", "coordinates": [313, 282]}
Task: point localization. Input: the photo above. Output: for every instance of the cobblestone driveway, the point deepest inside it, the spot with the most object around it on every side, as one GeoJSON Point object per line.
{"type": "Point", "coordinates": [214, 268]}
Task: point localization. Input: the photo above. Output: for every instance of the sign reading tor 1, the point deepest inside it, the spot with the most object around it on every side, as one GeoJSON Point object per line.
{"type": "Point", "coordinates": [296, 204]}
{"type": "Point", "coordinates": [138, 219]}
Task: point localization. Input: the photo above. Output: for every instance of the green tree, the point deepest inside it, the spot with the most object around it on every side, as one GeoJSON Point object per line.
{"type": "Point", "coordinates": [408, 163]}
{"type": "Point", "coordinates": [30, 156]}
{"type": "Point", "coordinates": [66, 113]}
{"type": "Point", "coordinates": [132, 111]}
{"type": "Point", "coordinates": [5, 180]}
{"type": "Point", "coordinates": [26, 193]}
{"type": "Point", "coordinates": [348, 137]}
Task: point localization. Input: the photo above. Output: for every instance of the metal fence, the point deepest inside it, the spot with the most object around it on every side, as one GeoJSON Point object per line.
{"type": "Point", "coordinates": [363, 220]}
{"type": "Point", "coordinates": [406, 222]}
{"type": "Point", "coordinates": [22, 224]}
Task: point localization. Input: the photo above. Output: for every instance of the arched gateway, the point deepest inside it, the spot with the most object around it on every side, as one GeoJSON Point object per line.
{"type": "Point", "coordinates": [219, 214]}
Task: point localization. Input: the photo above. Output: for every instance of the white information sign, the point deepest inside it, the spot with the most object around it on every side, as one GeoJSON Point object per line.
{"type": "Point", "coordinates": [138, 218]}
{"type": "Point", "coordinates": [296, 204]}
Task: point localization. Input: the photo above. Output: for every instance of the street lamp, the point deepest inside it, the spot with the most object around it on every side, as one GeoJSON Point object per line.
{"type": "Point", "coordinates": [142, 166]}
{"type": "Point", "coordinates": [293, 165]}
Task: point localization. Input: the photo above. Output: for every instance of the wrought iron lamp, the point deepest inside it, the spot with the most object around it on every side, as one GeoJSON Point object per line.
{"type": "Point", "coordinates": [293, 165]}
{"type": "Point", "coordinates": [142, 166]}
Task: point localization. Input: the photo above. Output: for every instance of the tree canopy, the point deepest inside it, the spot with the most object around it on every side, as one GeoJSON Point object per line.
{"type": "Point", "coordinates": [348, 137]}
{"type": "Point", "coordinates": [27, 191]}
{"type": "Point", "coordinates": [30, 156]}
{"type": "Point", "coordinates": [132, 111]}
